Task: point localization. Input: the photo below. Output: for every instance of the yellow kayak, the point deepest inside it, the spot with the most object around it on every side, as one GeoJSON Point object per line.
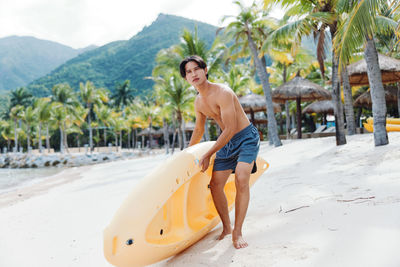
{"type": "Point", "coordinates": [171, 209]}
{"type": "Point", "coordinates": [389, 127]}
{"type": "Point", "coordinates": [388, 121]}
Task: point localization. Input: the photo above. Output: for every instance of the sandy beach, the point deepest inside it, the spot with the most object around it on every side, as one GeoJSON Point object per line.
{"type": "Point", "coordinates": [317, 205]}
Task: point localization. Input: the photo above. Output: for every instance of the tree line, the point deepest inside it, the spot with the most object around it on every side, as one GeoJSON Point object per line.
{"type": "Point", "coordinates": [238, 57]}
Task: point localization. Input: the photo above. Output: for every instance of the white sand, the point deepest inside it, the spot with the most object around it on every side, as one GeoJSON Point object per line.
{"type": "Point", "coordinates": [345, 204]}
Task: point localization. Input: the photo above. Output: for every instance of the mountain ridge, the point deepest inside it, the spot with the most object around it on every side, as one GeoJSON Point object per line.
{"type": "Point", "coordinates": [26, 58]}
{"type": "Point", "coordinates": [132, 59]}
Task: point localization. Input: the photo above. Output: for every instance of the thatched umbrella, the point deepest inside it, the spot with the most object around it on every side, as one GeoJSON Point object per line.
{"type": "Point", "coordinates": [390, 70]}
{"type": "Point", "coordinates": [323, 107]}
{"type": "Point", "coordinates": [253, 103]}
{"type": "Point", "coordinates": [364, 100]}
{"type": "Point", "coordinates": [300, 89]}
{"type": "Point", "coordinates": [154, 132]}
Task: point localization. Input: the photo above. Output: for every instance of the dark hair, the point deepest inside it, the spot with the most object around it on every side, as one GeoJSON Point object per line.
{"type": "Point", "coordinates": [199, 61]}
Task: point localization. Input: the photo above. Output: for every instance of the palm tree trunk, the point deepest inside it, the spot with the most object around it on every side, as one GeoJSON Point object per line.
{"type": "Point", "coordinates": [134, 138]}
{"type": "Point", "coordinates": [339, 118]}
{"type": "Point", "coordinates": [166, 136]}
{"type": "Point", "coordinates": [173, 139]}
{"type": "Point", "coordinates": [61, 140]}
{"type": "Point", "coordinates": [150, 136]}
{"type": "Point", "coordinates": [47, 138]}
{"type": "Point", "coordinates": [377, 93]}
{"type": "Point", "coordinates": [262, 74]}
{"type": "Point", "coordinates": [65, 138]}
{"type": "Point", "coordinates": [180, 136]}
{"type": "Point", "coordinates": [90, 132]}
{"type": "Point", "coordinates": [348, 102]}
{"type": "Point", "coordinates": [184, 132]}
{"type": "Point", "coordinates": [15, 136]}
{"type": "Point", "coordinates": [129, 139]}
{"type": "Point", "coordinates": [116, 142]}
{"type": "Point", "coordinates": [120, 140]}
{"type": "Point", "coordinates": [287, 119]}
{"type": "Point", "coordinates": [28, 133]}
{"type": "Point", "coordinates": [40, 137]}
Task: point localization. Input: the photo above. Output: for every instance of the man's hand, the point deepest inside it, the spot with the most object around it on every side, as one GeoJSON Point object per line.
{"type": "Point", "coordinates": [204, 162]}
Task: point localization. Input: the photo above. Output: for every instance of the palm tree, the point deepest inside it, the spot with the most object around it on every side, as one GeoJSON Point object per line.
{"type": "Point", "coordinates": [6, 130]}
{"type": "Point", "coordinates": [29, 117]}
{"type": "Point", "coordinates": [20, 97]}
{"type": "Point", "coordinates": [148, 115]}
{"type": "Point", "coordinates": [65, 105]}
{"type": "Point", "coordinates": [190, 44]}
{"type": "Point", "coordinates": [165, 112]}
{"type": "Point", "coordinates": [287, 63]}
{"type": "Point", "coordinates": [58, 116]}
{"type": "Point", "coordinates": [178, 98]}
{"type": "Point", "coordinates": [75, 122]}
{"type": "Point", "coordinates": [237, 77]}
{"type": "Point", "coordinates": [123, 95]}
{"type": "Point", "coordinates": [103, 114]}
{"type": "Point", "coordinates": [317, 17]}
{"type": "Point", "coordinates": [16, 114]}
{"type": "Point", "coordinates": [247, 26]}
{"type": "Point", "coordinates": [43, 111]}
{"type": "Point", "coordinates": [91, 96]}
{"type": "Point", "coordinates": [364, 19]}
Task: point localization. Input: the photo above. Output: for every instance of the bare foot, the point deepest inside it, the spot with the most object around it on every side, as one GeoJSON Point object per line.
{"type": "Point", "coordinates": [224, 233]}
{"type": "Point", "coordinates": [238, 241]}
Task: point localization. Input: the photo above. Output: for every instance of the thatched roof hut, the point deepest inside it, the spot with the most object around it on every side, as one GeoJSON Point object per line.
{"type": "Point", "coordinates": [300, 89]}
{"type": "Point", "coordinates": [364, 100]}
{"type": "Point", "coordinates": [256, 103]}
{"type": "Point", "coordinates": [253, 103]}
{"type": "Point", "coordinates": [390, 70]}
{"type": "Point", "coordinates": [323, 107]}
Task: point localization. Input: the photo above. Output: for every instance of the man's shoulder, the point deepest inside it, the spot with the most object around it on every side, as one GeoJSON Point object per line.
{"type": "Point", "coordinates": [221, 86]}
{"type": "Point", "coordinates": [222, 90]}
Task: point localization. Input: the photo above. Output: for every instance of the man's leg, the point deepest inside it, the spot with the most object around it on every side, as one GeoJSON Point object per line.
{"type": "Point", "coordinates": [217, 184]}
{"type": "Point", "coordinates": [242, 178]}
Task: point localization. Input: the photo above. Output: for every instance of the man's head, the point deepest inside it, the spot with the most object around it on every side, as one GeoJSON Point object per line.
{"type": "Point", "coordinates": [193, 68]}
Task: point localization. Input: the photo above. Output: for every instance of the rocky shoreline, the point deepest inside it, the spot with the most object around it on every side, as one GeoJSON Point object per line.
{"type": "Point", "coordinates": [25, 160]}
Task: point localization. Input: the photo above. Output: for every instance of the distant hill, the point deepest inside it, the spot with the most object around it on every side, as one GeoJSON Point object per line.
{"type": "Point", "coordinates": [24, 59]}
{"type": "Point", "coordinates": [118, 61]}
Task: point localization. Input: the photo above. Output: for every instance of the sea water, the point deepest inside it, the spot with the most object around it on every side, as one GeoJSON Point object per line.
{"type": "Point", "coordinates": [13, 178]}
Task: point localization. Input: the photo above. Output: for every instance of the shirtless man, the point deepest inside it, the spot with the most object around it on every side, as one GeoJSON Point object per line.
{"type": "Point", "coordinates": [236, 147]}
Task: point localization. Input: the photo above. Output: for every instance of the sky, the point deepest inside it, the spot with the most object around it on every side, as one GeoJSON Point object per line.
{"type": "Point", "coordinates": [80, 23]}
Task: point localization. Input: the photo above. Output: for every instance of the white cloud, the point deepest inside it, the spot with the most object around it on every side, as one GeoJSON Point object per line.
{"type": "Point", "coordinates": [80, 23]}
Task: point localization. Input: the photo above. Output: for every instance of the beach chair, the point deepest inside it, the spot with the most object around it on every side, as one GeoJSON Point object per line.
{"type": "Point", "coordinates": [317, 132]}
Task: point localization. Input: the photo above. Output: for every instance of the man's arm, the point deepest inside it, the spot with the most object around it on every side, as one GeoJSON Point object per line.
{"type": "Point", "coordinates": [199, 126]}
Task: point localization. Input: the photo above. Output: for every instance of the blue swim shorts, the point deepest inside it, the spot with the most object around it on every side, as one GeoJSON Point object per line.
{"type": "Point", "coordinates": [243, 147]}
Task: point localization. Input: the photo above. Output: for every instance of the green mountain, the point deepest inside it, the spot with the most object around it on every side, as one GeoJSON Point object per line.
{"type": "Point", "coordinates": [24, 59]}
{"type": "Point", "coordinates": [118, 61]}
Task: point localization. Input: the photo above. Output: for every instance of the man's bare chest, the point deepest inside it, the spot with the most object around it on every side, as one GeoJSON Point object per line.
{"type": "Point", "coordinates": [210, 109]}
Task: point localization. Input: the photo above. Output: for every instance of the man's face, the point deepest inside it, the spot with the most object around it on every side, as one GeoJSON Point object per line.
{"type": "Point", "coordinates": [194, 74]}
